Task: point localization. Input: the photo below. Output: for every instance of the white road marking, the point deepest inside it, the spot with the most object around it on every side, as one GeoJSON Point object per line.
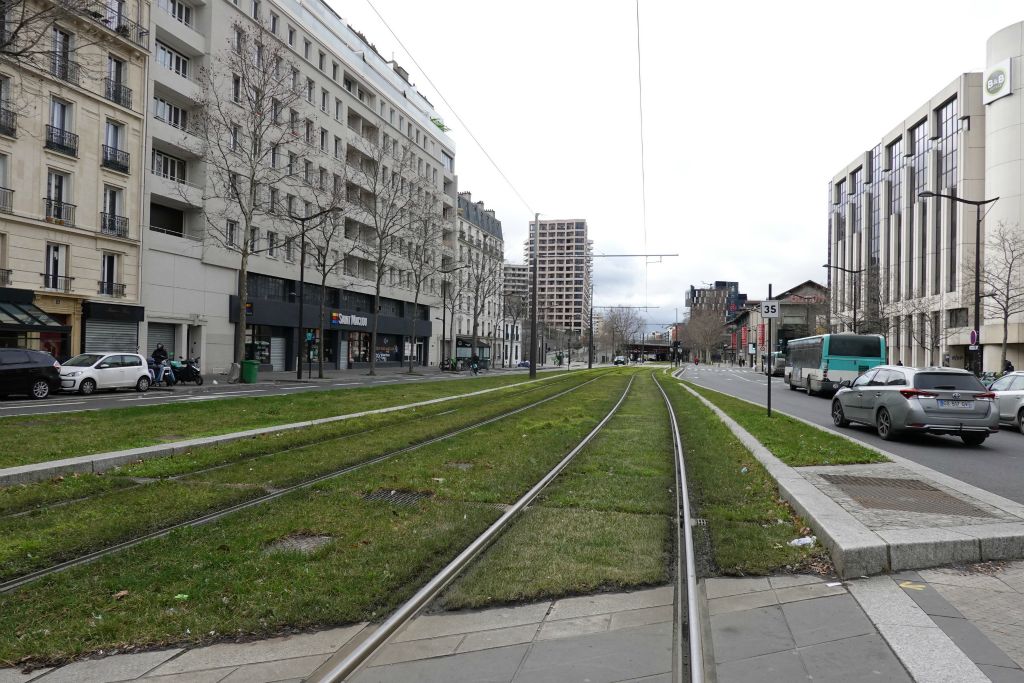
{"type": "Point", "coordinates": [345, 384]}
{"type": "Point", "coordinates": [42, 405]}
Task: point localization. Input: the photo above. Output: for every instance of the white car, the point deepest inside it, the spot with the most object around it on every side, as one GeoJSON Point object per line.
{"type": "Point", "coordinates": [87, 372]}
{"type": "Point", "coordinates": [1009, 391]}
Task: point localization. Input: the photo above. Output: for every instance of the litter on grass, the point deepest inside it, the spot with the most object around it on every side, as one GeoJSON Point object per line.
{"type": "Point", "coordinates": [806, 540]}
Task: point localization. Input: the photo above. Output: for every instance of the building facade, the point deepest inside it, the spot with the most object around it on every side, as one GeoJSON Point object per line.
{"type": "Point", "coordinates": [722, 297]}
{"type": "Point", "coordinates": [72, 137]}
{"type": "Point", "coordinates": [900, 263]}
{"type": "Point", "coordinates": [355, 101]}
{"type": "Point", "coordinates": [564, 262]}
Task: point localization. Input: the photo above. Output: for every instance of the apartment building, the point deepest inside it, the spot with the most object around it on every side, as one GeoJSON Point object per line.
{"type": "Point", "coordinates": [72, 136]}
{"type": "Point", "coordinates": [355, 101]}
{"type": "Point", "coordinates": [722, 297]}
{"type": "Point", "coordinates": [517, 280]}
{"type": "Point", "coordinates": [563, 271]}
{"type": "Point", "coordinates": [479, 252]}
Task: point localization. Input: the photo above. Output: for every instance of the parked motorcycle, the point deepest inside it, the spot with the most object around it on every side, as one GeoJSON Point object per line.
{"type": "Point", "coordinates": [188, 371]}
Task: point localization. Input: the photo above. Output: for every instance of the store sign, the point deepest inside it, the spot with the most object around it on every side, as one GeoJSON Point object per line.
{"type": "Point", "coordinates": [743, 334]}
{"type": "Point", "coordinates": [760, 334]}
{"type": "Point", "coordinates": [338, 318]}
{"type": "Point", "coordinates": [997, 82]}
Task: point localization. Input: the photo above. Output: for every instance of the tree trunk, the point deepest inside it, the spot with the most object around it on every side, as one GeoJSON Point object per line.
{"type": "Point", "coordinates": [373, 333]}
{"type": "Point", "coordinates": [451, 329]}
{"type": "Point", "coordinates": [412, 327]}
{"type": "Point", "coordinates": [243, 296]}
{"type": "Point", "coordinates": [1006, 333]}
{"type": "Point", "coordinates": [320, 356]}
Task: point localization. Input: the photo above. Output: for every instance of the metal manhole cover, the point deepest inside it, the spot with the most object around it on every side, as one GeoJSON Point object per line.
{"type": "Point", "coordinates": [396, 497]}
{"type": "Point", "coordinates": [910, 495]}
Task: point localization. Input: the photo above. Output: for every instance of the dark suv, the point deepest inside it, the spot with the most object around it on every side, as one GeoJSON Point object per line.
{"type": "Point", "coordinates": [23, 371]}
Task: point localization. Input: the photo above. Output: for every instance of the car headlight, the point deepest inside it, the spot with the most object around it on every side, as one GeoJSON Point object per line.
{"type": "Point", "coordinates": [74, 373]}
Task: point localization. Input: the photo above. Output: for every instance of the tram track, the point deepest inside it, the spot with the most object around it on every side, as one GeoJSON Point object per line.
{"type": "Point", "coordinates": [85, 558]}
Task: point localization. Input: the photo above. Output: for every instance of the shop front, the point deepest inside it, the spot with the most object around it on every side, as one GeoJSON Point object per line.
{"type": "Point", "coordinates": [464, 351]}
{"type": "Point", "coordinates": [24, 325]}
{"type": "Point", "coordinates": [111, 327]}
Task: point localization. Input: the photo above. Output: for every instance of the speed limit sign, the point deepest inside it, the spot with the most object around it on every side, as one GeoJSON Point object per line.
{"type": "Point", "coordinates": [769, 309]}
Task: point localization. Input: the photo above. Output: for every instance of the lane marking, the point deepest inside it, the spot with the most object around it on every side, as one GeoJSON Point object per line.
{"type": "Point", "coordinates": [910, 585]}
{"type": "Point", "coordinates": [345, 384]}
{"type": "Point", "coordinates": [42, 405]}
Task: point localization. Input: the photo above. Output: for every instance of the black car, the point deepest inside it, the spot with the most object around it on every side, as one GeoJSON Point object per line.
{"type": "Point", "coordinates": [24, 371]}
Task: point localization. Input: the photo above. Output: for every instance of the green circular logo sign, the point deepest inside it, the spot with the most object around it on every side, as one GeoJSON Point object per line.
{"type": "Point", "coordinates": [995, 82]}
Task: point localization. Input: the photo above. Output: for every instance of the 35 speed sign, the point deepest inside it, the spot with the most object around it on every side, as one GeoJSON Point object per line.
{"type": "Point", "coordinates": [769, 309]}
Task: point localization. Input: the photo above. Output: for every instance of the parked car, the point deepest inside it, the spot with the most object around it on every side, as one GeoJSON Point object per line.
{"type": "Point", "coordinates": [523, 364]}
{"type": "Point", "coordinates": [896, 400]}
{"type": "Point", "coordinates": [1009, 391]}
{"type": "Point", "coordinates": [619, 360]}
{"type": "Point", "coordinates": [777, 365]}
{"type": "Point", "coordinates": [88, 372]}
{"type": "Point", "coordinates": [25, 371]}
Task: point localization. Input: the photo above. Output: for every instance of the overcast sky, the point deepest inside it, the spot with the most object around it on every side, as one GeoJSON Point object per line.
{"type": "Point", "coordinates": [749, 109]}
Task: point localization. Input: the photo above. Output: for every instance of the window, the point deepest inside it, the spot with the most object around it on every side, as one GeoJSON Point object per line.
{"type": "Point", "coordinates": [238, 39]}
{"type": "Point", "coordinates": [275, 156]}
{"type": "Point", "coordinates": [288, 250]}
{"type": "Point", "coordinates": [274, 20]}
{"type": "Point", "coordinates": [108, 274]}
{"type": "Point", "coordinates": [55, 266]}
{"type": "Point", "coordinates": [321, 62]}
{"type": "Point", "coordinates": [325, 98]}
{"type": "Point", "coordinates": [255, 9]}
{"type": "Point", "coordinates": [274, 200]}
{"type": "Point", "coordinates": [291, 162]}
{"type": "Point", "coordinates": [272, 244]}
{"type": "Point", "coordinates": [58, 197]}
{"type": "Point", "coordinates": [170, 114]}
{"type": "Point", "coordinates": [310, 90]}
{"type": "Point", "coordinates": [391, 116]}
{"type": "Point", "coordinates": [339, 148]}
{"type": "Point", "coordinates": [306, 48]}
{"type": "Point", "coordinates": [338, 109]}
{"type": "Point", "coordinates": [309, 132]}
{"type": "Point", "coordinates": [322, 183]}
{"type": "Point", "coordinates": [307, 170]}
{"type": "Point", "coordinates": [291, 37]}
{"type": "Point", "coordinates": [166, 166]}
{"type": "Point", "coordinates": [230, 232]}
{"type": "Point", "coordinates": [60, 114]}
{"type": "Point", "coordinates": [295, 79]}
{"type": "Point", "coordinates": [323, 139]}
{"type": "Point", "coordinates": [171, 60]}
{"type": "Point", "coordinates": [448, 162]}
{"type": "Point", "coordinates": [179, 10]}
{"type": "Point", "coordinates": [236, 89]}
{"type": "Point", "coordinates": [334, 70]}
{"type": "Point", "coordinates": [235, 134]}
{"type": "Point", "coordinates": [61, 66]}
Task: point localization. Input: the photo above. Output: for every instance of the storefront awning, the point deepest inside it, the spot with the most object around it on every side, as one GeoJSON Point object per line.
{"type": "Point", "coordinates": [27, 317]}
{"type": "Point", "coordinates": [467, 342]}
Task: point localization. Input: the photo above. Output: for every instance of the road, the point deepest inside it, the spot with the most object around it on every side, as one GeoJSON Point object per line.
{"type": "Point", "coordinates": [189, 393]}
{"type": "Point", "coordinates": [996, 466]}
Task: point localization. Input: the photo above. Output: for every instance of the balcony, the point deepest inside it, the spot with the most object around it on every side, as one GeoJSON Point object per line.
{"type": "Point", "coordinates": [114, 289]}
{"type": "Point", "coordinates": [115, 159]}
{"type": "Point", "coordinates": [60, 283]}
{"type": "Point", "coordinates": [5, 277]}
{"type": "Point", "coordinates": [175, 192]}
{"type": "Point", "coordinates": [60, 140]}
{"type": "Point", "coordinates": [118, 23]}
{"type": "Point", "coordinates": [6, 200]}
{"type": "Point", "coordinates": [117, 92]}
{"type": "Point", "coordinates": [114, 225]}
{"type": "Point", "coordinates": [59, 213]}
{"type": "Point", "coordinates": [64, 68]}
{"type": "Point", "coordinates": [8, 123]}
{"type": "Point", "coordinates": [183, 36]}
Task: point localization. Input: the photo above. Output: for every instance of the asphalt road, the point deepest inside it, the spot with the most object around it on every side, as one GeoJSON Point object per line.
{"type": "Point", "coordinates": [189, 393]}
{"type": "Point", "coordinates": [996, 466]}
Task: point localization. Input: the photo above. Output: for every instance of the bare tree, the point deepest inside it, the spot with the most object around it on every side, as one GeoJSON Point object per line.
{"type": "Point", "coordinates": [453, 284]}
{"type": "Point", "coordinates": [622, 324]}
{"type": "Point", "coordinates": [1001, 278]}
{"type": "Point", "coordinates": [250, 146]}
{"type": "Point", "coordinates": [514, 310]}
{"type": "Point", "coordinates": [423, 239]}
{"type": "Point", "coordinates": [704, 331]}
{"type": "Point", "coordinates": [384, 192]}
{"type": "Point", "coordinates": [483, 285]}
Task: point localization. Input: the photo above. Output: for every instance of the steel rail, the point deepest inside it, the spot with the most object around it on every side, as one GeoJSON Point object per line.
{"type": "Point", "coordinates": [433, 588]}
{"type": "Point", "coordinates": [13, 584]}
{"type": "Point", "coordinates": [685, 557]}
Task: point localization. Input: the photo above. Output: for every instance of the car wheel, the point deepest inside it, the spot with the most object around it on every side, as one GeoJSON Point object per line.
{"type": "Point", "coordinates": [40, 389]}
{"type": "Point", "coordinates": [838, 418]}
{"type": "Point", "coordinates": [792, 387]}
{"type": "Point", "coordinates": [810, 392]}
{"type": "Point", "coordinates": [199, 380]}
{"type": "Point", "coordinates": [883, 425]}
{"type": "Point", "coordinates": [142, 385]}
{"type": "Point", "coordinates": [974, 438]}
{"type": "Point", "coordinates": [1020, 420]}
{"type": "Point", "coordinates": [88, 386]}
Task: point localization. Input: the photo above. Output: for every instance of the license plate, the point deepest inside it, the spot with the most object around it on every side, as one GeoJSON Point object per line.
{"type": "Point", "coordinates": [956, 404]}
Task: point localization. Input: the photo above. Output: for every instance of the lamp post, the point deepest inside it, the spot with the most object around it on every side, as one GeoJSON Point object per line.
{"type": "Point", "coordinates": [302, 220]}
{"type": "Point", "coordinates": [856, 288]}
{"type": "Point", "coordinates": [977, 204]}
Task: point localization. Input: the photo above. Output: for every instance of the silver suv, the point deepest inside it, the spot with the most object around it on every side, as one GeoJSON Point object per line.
{"type": "Point", "coordinates": [1009, 391]}
{"type": "Point", "coordinates": [895, 399]}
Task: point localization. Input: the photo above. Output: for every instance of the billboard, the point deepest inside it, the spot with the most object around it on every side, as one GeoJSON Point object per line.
{"type": "Point", "coordinates": [997, 83]}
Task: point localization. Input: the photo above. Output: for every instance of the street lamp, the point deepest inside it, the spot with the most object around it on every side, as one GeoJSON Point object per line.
{"type": "Point", "coordinates": [856, 288]}
{"type": "Point", "coordinates": [302, 220]}
{"type": "Point", "coordinates": [977, 204]}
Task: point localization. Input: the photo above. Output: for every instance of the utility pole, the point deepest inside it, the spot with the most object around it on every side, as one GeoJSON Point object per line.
{"type": "Point", "coordinates": [768, 367]}
{"type": "Point", "coordinates": [533, 295]}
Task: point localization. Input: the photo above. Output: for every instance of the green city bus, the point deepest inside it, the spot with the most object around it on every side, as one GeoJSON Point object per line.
{"type": "Point", "coordinates": [818, 364]}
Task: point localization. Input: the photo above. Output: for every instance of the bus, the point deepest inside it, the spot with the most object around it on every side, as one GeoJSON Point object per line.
{"type": "Point", "coordinates": [818, 364]}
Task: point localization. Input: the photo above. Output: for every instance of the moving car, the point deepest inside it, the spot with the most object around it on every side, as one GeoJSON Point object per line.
{"type": "Point", "coordinates": [1009, 391]}
{"type": "Point", "coordinates": [619, 360]}
{"type": "Point", "coordinates": [88, 372]}
{"type": "Point", "coordinates": [896, 400]}
{"type": "Point", "coordinates": [25, 371]}
{"type": "Point", "coordinates": [523, 364]}
{"type": "Point", "coordinates": [777, 365]}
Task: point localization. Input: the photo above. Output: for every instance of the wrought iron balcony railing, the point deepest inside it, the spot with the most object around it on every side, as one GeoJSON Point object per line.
{"type": "Point", "coordinates": [115, 289]}
{"type": "Point", "coordinates": [61, 283]}
{"type": "Point", "coordinates": [58, 212]}
{"type": "Point", "coordinates": [8, 123]}
{"type": "Point", "coordinates": [118, 92]}
{"type": "Point", "coordinates": [6, 200]}
{"type": "Point", "coordinates": [5, 277]}
{"type": "Point", "coordinates": [60, 140]}
{"type": "Point", "coordinates": [64, 68]}
{"type": "Point", "coordinates": [112, 224]}
{"type": "Point", "coordinates": [115, 159]}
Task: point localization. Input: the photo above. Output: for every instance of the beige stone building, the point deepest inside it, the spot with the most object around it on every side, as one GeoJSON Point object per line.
{"type": "Point", "coordinates": [72, 140]}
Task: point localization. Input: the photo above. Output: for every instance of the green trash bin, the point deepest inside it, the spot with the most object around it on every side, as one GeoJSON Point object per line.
{"type": "Point", "coordinates": [250, 371]}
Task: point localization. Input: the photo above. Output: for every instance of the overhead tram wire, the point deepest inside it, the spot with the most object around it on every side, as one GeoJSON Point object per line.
{"type": "Point", "coordinates": [450, 107]}
{"type": "Point", "coordinates": [643, 155]}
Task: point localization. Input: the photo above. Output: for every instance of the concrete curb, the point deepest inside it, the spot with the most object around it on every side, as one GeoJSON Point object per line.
{"type": "Point", "coordinates": [101, 462]}
{"type": "Point", "coordinates": [857, 550]}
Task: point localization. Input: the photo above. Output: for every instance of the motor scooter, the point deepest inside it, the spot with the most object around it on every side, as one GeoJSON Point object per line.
{"type": "Point", "coordinates": [188, 371]}
{"type": "Point", "coordinates": [161, 373]}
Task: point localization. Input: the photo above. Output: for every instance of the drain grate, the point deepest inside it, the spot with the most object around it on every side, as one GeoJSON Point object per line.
{"type": "Point", "coordinates": [397, 497]}
{"type": "Point", "coordinates": [910, 495]}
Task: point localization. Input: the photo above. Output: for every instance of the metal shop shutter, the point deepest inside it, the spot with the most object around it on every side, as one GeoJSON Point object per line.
{"type": "Point", "coordinates": [111, 335]}
{"type": "Point", "coordinates": [161, 333]}
{"type": "Point", "coordinates": [277, 353]}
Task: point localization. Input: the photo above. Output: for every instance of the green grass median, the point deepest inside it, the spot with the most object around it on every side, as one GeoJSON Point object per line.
{"type": "Point", "coordinates": [38, 438]}
{"type": "Point", "coordinates": [235, 578]}
{"type": "Point", "coordinates": [749, 525]}
{"type": "Point", "coordinates": [791, 441]}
